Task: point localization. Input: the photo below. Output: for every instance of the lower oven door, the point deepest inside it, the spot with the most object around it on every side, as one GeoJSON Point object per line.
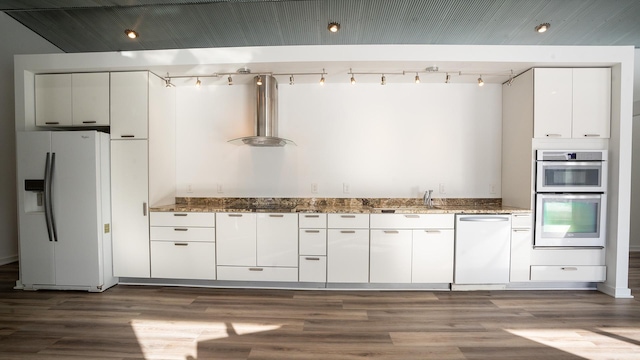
{"type": "Point", "coordinates": [570, 220]}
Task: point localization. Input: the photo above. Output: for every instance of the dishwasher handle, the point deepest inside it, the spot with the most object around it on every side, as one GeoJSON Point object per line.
{"type": "Point", "coordinates": [484, 218]}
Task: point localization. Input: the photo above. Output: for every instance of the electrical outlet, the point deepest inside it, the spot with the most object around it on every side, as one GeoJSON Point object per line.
{"type": "Point", "coordinates": [346, 188]}
{"type": "Point", "coordinates": [314, 188]}
{"type": "Point", "coordinates": [493, 189]}
{"type": "Point", "coordinates": [189, 188]}
{"type": "Point", "coordinates": [441, 189]}
{"type": "Point", "coordinates": [219, 188]}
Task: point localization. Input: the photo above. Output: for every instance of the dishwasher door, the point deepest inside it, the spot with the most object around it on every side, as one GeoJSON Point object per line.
{"type": "Point", "coordinates": [482, 249]}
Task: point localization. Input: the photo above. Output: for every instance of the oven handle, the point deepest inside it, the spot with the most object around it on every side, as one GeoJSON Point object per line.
{"type": "Point", "coordinates": [571, 163]}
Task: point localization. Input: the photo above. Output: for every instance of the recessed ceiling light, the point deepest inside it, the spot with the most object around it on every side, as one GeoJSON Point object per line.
{"type": "Point", "coordinates": [333, 27]}
{"type": "Point", "coordinates": [131, 34]}
{"type": "Point", "coordinates": [543, 27]}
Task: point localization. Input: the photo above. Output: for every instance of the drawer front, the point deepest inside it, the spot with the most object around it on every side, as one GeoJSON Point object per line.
{"type": "Point", "coordinates": [549, 256]}
{"type": "Point", "coordinates": [182, 219]}
{"type": "Point", "coordinates": [241, 273]}
{"type": "Point", "coordinates": [524, 220]}
{"type": "Point", "coordinates": [313, 269]}
{"type": "Point", "coordinates": [313, 241]}
{"type": "Point", "coordinates": [569, 273]}
{"type": "Point", "coordinates": [312, 221]}
{"type": "Point", "coordinates": [182, 233]}
{"type": "Point", "coordinates": [412, 221]}
{"type": "Point", "coordinates": [348, 221]}
{"type": "Point", "coordinates": [183, 260]}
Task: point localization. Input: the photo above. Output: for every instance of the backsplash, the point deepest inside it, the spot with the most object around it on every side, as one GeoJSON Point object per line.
{"type": "Point", "coordinates": [331, 202]}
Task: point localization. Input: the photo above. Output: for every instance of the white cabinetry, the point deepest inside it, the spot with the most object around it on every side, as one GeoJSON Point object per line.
{"type": "Point", "coordinates": [521, 246]}
{"type": "Point", "coordinates": [72, 99]}
{"type": "Point", "coordinates": [572, 103]}
{"type": "Point", "coordinates": [582, 265]}
{"type": "Point", "coordinates": [348, 248]}
{"type": "Point", "coordinates": [130, 104]}
{"type": "Point", "coordinates": [313, 247]}
{"type": "Point", "coordinates": [412, 248]}
{"type": "Point", "coordinates": [183, 245]}
{"type": "Point", "coordinates": [257, 247]}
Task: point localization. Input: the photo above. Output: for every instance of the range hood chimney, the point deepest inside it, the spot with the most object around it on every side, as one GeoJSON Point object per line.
{"type": "Point", "coordinates": [266, 116]}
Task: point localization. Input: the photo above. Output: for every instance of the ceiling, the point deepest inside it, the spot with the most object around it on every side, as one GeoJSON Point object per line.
{"type": "Point", "coordinates": [98, 25]}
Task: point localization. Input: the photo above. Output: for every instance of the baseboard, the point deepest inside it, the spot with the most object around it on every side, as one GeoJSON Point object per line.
{"type": "Point", "coordinates": [618, 293]}
{"type": "Point", "coordinates": [8, 259]}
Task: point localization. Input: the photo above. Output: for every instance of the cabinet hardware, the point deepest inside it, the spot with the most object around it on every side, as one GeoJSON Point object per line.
{"type": "Point", "coordinates": [276, 215]}
{"type": "Point", "coordinates": [256, 269]}
{"type": "Point", "coordinates": [312, 258]}
{"type": "Point", "coordinates": [180, 229]}
{"type": "Point", "coordinates": [312, 216]}
{"type": "Point", "coordinates": [235, 215]}
{"type": "Point", "coordinates": [52, 122]}
{"type": "Point", "coordinates": [412, 216]}
{"type": "Point", "coordinates": [521, 230]}
{"type": "Point", "coordinates": [181, 244]}
{"type": "Point", "coordinates": [569, 268]}
{"type": "Point", "coordinates": [180, 214]}
{"type": "Point", "coordinates": [348, 216]}
{"type": "Point", "coordinates": [521, 215]}
{"type": "Point", "coordinates": [391, 232]}
{"type": "Point", "coordinates": [312, 231]}
{"type": "Point", "coordinates": [348, 231]}
{"type": "Point", "coordinates": [88, 122]}
{"type": "Point", "coordinates": [127, 136]}
{"type": "Point", "coordinates": [554, 135]}
{"type": "Point", "coordinates": [144, 209]}
{"type": "Point", "coordinates": [591, 135]}
{"type": "Point", "coordinates": [432, 231]}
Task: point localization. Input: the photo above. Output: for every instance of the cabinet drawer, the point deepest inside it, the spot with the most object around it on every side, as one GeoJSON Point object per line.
{"type": "Point", "coordinates": [348, 221]}
{"type": "Point", "coordinates": [182, 219]}
{"type": "Point", "coordinates": [569, 273]}
{"type": "Point", "coordinates": [312, 221]}
{"type": "Point", "coordinates": [242, 273]}
{"type": "Point", "coordinates": [313, 268]}
{"type": "Point", "coordinates": [412, 221]}
{"type": "Point", "coordinates": [313, 242]}
{"type": "Point", "coordinates": [182, 233]}
{"type": "Point", "coordinates": [549, 256]}
{"type": "Point", "coordinates": [521, 220]}
{"type": "Point", "coordinates": [183, 260]}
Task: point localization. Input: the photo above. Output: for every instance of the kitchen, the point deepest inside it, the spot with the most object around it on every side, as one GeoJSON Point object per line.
{"type": "Point", "coordinates": [366, 143]}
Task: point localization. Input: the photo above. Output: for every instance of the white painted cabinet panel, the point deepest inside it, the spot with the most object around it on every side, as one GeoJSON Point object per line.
{"type": "Point", "coordinates": [90, 99]}
{"type": "Point", "coordinates": [312, 221]}
{"type": "Point", "coordinates": [432, 256]}
{"type": "Point", "coordinates": [553, 103]}
{"type": "Point", "coordinates": [390, 256]}
{"type": "Point", "coordinates": [313, 241]}
{"type": "Point", "coordinates": [412, 221]}
{"type": "Point", "coordinates": [171, 233]}
{"type": "Point", "coordinates": [521, 247]}
{"type": "Point", "coordinates": [277, 240]}
{"type": "Point", "coordinates": [191, 219]}
{"type": "Point", "coordinates": [569, 273]}
{"type": "Point", "coordinates": [53, 100]}
{"type": "Point", "coordinates": [591, 103]}
{"type": "Point", "coordinates": [129, 105]}
{"type": "Point", "coordinates": [183, 260]}
{"type": "Point", "coordinates": [129, 202]}
{"type": "Point", "coordinates": [348, 255]}
{"type": "Point", "coordinates": [348, 221]}
{"type": "Point", "coordinates": [236, 239]}
{"type": "Point", "coordinates": [243, 273]}
{"type": "Point", "coordinates": [313, 269]}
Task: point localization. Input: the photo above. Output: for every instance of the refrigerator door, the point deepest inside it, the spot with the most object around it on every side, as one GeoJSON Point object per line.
{"type": "Point", "coordinates": [36, 248]}
{"type": "Point", "coordinates": [76, 208]}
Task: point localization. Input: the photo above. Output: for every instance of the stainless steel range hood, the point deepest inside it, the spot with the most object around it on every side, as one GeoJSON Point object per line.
{"type": "Point", "coordinates": [266, 117]}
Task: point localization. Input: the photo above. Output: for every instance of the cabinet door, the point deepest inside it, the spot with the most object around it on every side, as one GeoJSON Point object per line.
{"type": "Point", "coordinates": [432, 256]}
{"type": "Point", "coordinates": [90, 99]}
{"type": "Point", "coordinates": [591, 103]}
{"type": "Point", "coordinates": [390, 256]}
{"type": "Point", "coordinates": [129, 199]}
{"type": "Point", "coordinates": [277, 240]}
{"type": "Point", "coordinates": [236, 239]}
{"type": "Point", "coordinates": [552, 108]}
{"type": "Point", "coordinates": [521, 244]}
{"type": "Point", "coordinates": [183, 260]}
{"type": "Point", "coordinates": [129, 105]}
{"type": "Point", "coordinates": [313, 269]}
{"type": "Point", "coordinates": [348, 256]}
{"type": "Point", "coordinates": [53, 100]}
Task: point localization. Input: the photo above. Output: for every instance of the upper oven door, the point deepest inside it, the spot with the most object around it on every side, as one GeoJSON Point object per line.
{"type": "Point", "coordinates": [571, 176]}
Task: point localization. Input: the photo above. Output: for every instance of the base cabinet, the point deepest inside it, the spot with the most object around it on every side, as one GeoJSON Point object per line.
{"type": "Point", "coordinates": [313, 269]}
{"type": "Point", "coordinates": [247, 273]}
{"type": "Point", "coordinates": [348, 256]}
{"type": "Point", "coordinates": [569, 273]}
{"type": "Point", "coordinates": [432, 260]}
{"type": "Point", "coordinates": [390, 256]}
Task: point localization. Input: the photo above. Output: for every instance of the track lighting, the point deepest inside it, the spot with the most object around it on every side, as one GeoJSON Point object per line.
{"type": "Point", "coordinates": [230, 80]}
{"type": "Point", "coordinates": [259, 80]}
{"type": "Point", "coordinates": [333, 27]}
{"type": "Point", "coordinates": [383, 80]}
{"type": "Point", "coordinates": [198, 82]}
{"type": "Point", "coordinates": [131, 34]}
{"type": "Point", "coordinates": [543, 27]}
{"type": "Point", "coordinates": [291, 80]}
{"type": "Point", "coordinates": [417, 79]}
{"type": "Point", "coordinates": [447, 78]}
{"type": "Point", "coordinates": [480, 81]}
{"type": "Point", "coordinates": [353, 79]}
{"type": "Point", "coordinates": [322, 79]}
{"type": "Point", "coordinates": [510, 79]}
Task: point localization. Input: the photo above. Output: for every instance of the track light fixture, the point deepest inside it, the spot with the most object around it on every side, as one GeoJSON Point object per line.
{"type": "Point", "coordinates": [447, 78]}
{"type": "Point", "coordinates": [291, 81]}
{"type": "Point", "coordinates": [333, 27]}
{"type": "Point", "coordinates": [229, 80]}
{"type": "Point", "coordinates": [542, 27]}
{"type": "Point", "coordinates": [480, 81]}
{"type": "Point", "coordinates": [353, 79]}
{"type": "Point", "coordinates": [198, 82]}
{"type": "Point", "coordinates": [510, 79]}
{"type": "Point", "coordinates": [131, 34]}
{"type": "Point", "coordinates": [322, 79]}
{"type": "Point", "coordinates": [259, 80]}
{"type": "Point", "coordinates": [417, 79]}
{"type": "Point", "coordinates": [383, 80]}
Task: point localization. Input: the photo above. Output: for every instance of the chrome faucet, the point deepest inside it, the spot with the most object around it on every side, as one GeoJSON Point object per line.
{"type": "Point", "coordinates": [426, 198]}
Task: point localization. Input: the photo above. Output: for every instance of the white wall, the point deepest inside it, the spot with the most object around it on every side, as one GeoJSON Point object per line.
{"type": "Point", "coordinates": [396, 140]}
{"type": "Point", "coordinates": [634, 236]}
{"type": "Point", "coordinates": [16, 40]}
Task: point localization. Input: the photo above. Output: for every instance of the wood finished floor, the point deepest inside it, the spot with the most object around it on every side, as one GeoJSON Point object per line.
{"type": "Point", "coordinates": [154, 322]}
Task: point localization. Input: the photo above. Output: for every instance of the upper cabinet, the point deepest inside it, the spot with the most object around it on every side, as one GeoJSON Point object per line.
{"type": "Point", "coordinates": [129, 105]}
{"type": "Point", "coordinates": [572, 103]}
{"type": "Point", "coordinates": [72, 99]}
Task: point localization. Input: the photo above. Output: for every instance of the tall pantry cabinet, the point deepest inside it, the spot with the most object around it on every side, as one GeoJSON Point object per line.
{"type": "Point", "coordinates": [142, 164]}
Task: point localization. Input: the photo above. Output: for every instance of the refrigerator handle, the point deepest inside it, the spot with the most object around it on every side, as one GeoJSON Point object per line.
{"type": "Point", "coordinates": [53, 220]}
{"type": "Point", "coordinates": [47, 193]}
{"type": "Point", "coordinates": [144, 209]}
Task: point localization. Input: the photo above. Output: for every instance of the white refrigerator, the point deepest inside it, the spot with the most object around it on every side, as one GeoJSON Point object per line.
{"type": "Point", "coordinates": [64, 210]}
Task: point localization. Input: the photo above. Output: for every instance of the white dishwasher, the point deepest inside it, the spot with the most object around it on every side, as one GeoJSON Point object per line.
{"type": "Point", "coordinates": [482, 249]}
